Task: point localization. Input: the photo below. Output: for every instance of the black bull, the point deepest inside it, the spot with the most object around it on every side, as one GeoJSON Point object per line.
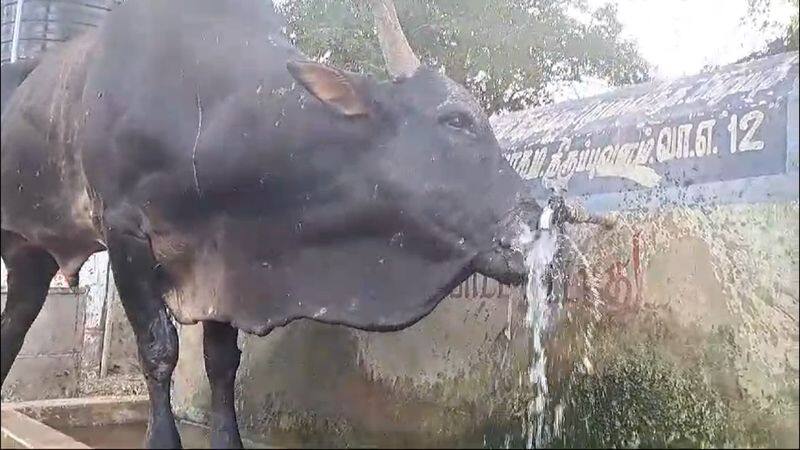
{"type": "Point", "coordinates": [239, 184]}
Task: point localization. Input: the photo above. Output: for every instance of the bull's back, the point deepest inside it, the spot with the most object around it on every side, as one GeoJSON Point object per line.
{"type": "Point", "coordinates": [114, 117]}
{"type": "Point", "coordinates": [172, 81]}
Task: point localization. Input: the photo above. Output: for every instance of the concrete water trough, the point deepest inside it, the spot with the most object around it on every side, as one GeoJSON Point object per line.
{"type": "Point", "coordinates": [97, 422]}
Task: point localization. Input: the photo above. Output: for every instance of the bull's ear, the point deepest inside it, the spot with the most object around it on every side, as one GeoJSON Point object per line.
{"type": "Point", "coordinates": [331, 86]}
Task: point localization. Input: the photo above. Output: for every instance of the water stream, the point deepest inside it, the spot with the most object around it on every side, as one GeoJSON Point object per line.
{"type": "Point", "coordinates": [539, 247]}
{"type": "Point", "coordinates": [542, 422]}
{"type": "Point", "coordinates": [538, 259]}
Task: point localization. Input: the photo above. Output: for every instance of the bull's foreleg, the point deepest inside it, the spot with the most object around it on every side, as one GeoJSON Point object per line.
{"type": "Point", "coordinates": [222, 359]}
{"type": "Point", "coordinates": [136, 278]}
{"type": "Point", "coordinates": [29, 273]}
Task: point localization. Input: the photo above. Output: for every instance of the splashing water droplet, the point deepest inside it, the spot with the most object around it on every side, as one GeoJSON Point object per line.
{"type": "Point", "coordinates": [397, 238]}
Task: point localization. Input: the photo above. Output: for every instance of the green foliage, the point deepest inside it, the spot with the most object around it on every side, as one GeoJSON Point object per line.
{"type": "Point", "coordinates": [641, 400]}
{"type": "Point", "coordinates": [793, 32]}
{"type": "Point", "coordinates": [641, 394]}
{"type": "Point", "coordinates": [758, 12]}
{"type": "Point", "coordinates": [506, 51]}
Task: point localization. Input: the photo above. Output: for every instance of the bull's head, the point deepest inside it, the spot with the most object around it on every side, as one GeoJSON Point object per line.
{"type": "Point", "coordinates": [433, 160]}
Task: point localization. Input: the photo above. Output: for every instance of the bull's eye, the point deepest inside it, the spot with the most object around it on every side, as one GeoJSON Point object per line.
{"type": "Point", "coordinates": [458, 121]}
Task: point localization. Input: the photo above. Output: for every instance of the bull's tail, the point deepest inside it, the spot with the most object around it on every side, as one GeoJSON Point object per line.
{"type": "Point", "coordinates": [13, 74]}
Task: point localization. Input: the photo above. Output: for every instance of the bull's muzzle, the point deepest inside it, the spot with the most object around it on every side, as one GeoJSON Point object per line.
{"type": "Point", "coordinates": [505, 261]}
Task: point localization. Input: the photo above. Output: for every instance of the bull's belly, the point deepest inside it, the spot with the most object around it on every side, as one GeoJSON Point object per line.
{"type": "Point", "coordinates": [257, 278]}
{"type": "Point", "coordinates": [52, 215]}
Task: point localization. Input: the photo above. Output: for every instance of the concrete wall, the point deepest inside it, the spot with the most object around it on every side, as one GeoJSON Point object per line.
{"type": "Point", "coordinates": [697, 333]}
{"type": "Point", "coordinates": [50, 359]}
{"type": "Point", "coordinates": [450, 378]}
{"type": "Point", "coordinates": [64, 351]}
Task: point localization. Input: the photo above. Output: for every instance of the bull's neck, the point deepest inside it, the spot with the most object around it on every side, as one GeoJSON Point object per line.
{"type": "Point", "coordinates": [278, 151]}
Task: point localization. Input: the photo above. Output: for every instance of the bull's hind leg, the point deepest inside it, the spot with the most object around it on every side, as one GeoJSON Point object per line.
{"type": "Point", "coordinates": [222, 360]}
{"type": "Point", "coordinates": [30, 270]}
{"type": "Point", "coordinates": [137, 280]}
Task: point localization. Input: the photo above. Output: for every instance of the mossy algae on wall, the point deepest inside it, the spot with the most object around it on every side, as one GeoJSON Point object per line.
{"type": "Point", "coordinates": [697, 342]}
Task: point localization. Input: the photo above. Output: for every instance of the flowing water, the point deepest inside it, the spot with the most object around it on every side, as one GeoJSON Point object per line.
{"type": "Point", "coordinates": [539, 247]}
{"type": "Point", "coordinates": [537, 319]}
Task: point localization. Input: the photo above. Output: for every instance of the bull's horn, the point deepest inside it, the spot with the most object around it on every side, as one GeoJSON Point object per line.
{"type": "Point", "coordinates": [400, 59]}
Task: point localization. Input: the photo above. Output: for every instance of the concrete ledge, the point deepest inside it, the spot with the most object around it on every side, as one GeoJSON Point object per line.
{"type": "Point", "coordinates": [81, 290]}
{"type": "Point", "coordinates": [21, 431]}
{"type": "Point", "coordinates": [77, 412]}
